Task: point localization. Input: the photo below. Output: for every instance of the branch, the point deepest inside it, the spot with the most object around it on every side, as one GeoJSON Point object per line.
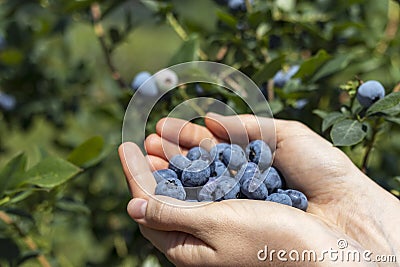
{"type": "Point", "coordinates": [370, 145]}
{"type": "Point", "coordinates": [27, 239]}
{"type": "Point", "coordinates": [99, 31]}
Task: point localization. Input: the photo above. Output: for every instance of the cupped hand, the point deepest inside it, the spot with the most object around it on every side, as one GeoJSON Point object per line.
{"type": "Point", "coordinates": [343, 202]}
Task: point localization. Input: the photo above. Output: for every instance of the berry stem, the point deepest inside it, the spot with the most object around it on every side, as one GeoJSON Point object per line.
{"type": "Point", "coordinates": [99, 31]}
{"type": "Point", "coordinates": [27, 239]}
{"type": "Point", "coordinates": [370, 145]}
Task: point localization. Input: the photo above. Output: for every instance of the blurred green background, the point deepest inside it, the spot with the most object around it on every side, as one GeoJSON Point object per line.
{"type": "Point", "coordinates": [62, 192]}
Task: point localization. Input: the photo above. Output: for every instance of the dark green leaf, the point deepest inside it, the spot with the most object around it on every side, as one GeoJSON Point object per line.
{"type": "Point", "coordinates": [390, 105]}
{"type": "Point", "coordinates": [320, 113]}
{"type": "Point", "coordinates": [312, 64]}
{"type": "Point", "coordinates": [268, 70]}
{"type": "Point", "coordinates": [331, 119]}
{"type": "Point", "coordinates": [12, 173]}
{"type": "Point", "coordinates": [334, 65]}
{"type": "Point", "coordinates": [347, 133]}
{"type": "Point", "coordinates": [51, 172]}
{"type": "Point", "coordinates": [393, 119]}
{"type": "Point", "coordinates": [228, 19]}
{"type": "Point", "coordinates": [189, 51]}
{"type": "Point", "coordinates": [87, 151]}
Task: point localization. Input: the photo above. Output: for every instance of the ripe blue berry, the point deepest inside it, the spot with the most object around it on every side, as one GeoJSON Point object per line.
{"type": "Point", "coordinates": [280, 198]}
{"type": "Point", "coordinates": [234, 157]}
{"type": "Point", "coordinates": [254, 189]}
{"type": "Point", "coordinates": [248, 171]}
{"type": "Point", "coordinates": [178, 163]}
{"type": "Point", "coordinates": [171, 188]}
{"type": "Point", "coordinates": [149, 88]}
{"type": "Point", "coordinates": [7, 102]}
{"type": "Point", "coordinates": [198, 153]}
{"type": "Point", "coordinates": [282, 77]}
{"type": "Point", "coordinates": [217, 151]}
{"type": "Point", "coordinates": [370, 92]}
{"type": "Point", "coordinates": [258, 151]}
{"type": "Point", "coordinates": [166, 79]}
{"type": "Point", "coordinates": [299, 200]}
{"type": "Point", "coordinates": [196, 174]}
{"type": "Point", "coordinates": [227, 188]}
{"type": "Point", "coordinates": [272, 179]}
{"type": "Point", "coordinates": [164, 174]}
{"type": "Point", "coordinates": [217, 169]}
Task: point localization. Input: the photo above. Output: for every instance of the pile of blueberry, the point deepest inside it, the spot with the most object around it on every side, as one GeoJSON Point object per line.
{"type": "Point", "coordinates": [226, 172]}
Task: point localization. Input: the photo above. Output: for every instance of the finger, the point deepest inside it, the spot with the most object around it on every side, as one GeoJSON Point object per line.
{"type": "Point", "coordinates": [161, 147]}
{"type": "Point", "coordinates": [180, 248]}
{"type": "Point", "coordinates": [241, 129]}
{"type": "Point", "coordinates": [156, 163]}
{"type": "Point", "coordinates": [167, 214]}
{"type": "Point", "coordinates": [300, 152]}
{"type": "Point", "coordinates": [185, 133]}
{"type": "Point", "coordinates": [137, 172]}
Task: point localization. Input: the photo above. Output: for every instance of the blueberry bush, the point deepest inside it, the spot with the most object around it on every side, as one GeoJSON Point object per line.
{"type": "Point", "coordinates": [68, 69]}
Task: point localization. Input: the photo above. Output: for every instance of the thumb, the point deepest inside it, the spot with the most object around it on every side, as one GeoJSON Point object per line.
{"type": "Point", "coordinates": [167, 214]}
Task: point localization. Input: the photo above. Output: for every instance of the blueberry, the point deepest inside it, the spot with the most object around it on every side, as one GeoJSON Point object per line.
{"type": "Point", "coordinates": [196, 174]}
{"type": "Point", "coordinates": [207, 191]}
{"type": "Point", "coordinates": [166, 79]}
{"type": "Point", "coordinates": [198, 153]}
{"type": "Point", "coordinates": [248, 171]}
{"type": "Point", "coordinates": [299, 200]}
{"type": "Point", "coordinates": [258, 151]}
{"type": "Point", "coordinates": [227, 188]}
{"type": "Point", "coordinates": [160, 175]}
{"type": "Point", "coordinates": [178, 163]}
{"type": "Point", "coordinates": [234, 157]}
{"type": "Point", "coordinates": [282, 77]}
{"type": "Point", "coordinates": [254, 189]}
{"type": "Point", "coordinates": [7, 102]}
{"type": "Point", "coordinates": [218, 150]}
{"type": "Point", "coordinates": [238, 5]}
{"type": "Point", "coordinates": [217, 169]}
{"type": "Point", "coordinates": [272, 179]}
{"type": "Point", "coordinates": [171, 188]}
{"type": "Point", "coordinates": [280, 198]}
{"type": "Point", "coordinates": [370, 92]}
{"type": "Point", "coordinates": [149, 88]}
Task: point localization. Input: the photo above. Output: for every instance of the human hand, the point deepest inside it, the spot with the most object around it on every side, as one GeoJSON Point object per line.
{"type": "Point", "coordinates": [343, 202]}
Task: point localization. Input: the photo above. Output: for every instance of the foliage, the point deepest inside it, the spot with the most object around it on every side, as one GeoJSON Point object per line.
{"type": "Point", "coordinates": [68, 63]}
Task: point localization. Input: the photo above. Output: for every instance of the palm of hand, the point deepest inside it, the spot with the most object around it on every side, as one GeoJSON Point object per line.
{"type": "Point", "coordinates": [308, 162]}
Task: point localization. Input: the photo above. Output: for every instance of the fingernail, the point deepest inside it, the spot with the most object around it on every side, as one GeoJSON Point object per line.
{"type": "Point", "coordinates": [137, 208]}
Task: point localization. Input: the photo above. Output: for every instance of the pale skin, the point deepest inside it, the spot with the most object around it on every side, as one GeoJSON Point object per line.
{"type": "Point", "coordinates": [343, 202]}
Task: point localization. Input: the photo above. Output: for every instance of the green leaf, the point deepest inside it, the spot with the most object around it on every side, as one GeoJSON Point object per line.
{"type": "Point", "coordinates": [189, 51]}
{"type": "Point", "coordinates": [389, 105]}
{"type": "Point", "coordinates": [320, 113]}
{"type": "Point", "coordinates": [312, 64]}
{"type": "Point", "coordinates": [12, 173]}
{"type": "Point", "coordinates": [347, 133]}
{"type": "Point", "coordinates": [393, 119]}
{"type": "Point", "coordinates": [331, 119]}
{"type": "Point", "coordinates": [51, 172]}
{"type": "Point", "coordinates": [87, 151]}
{"type": "Point", "coordinates": [268, 70]}
{"type": "Point", "coordinates": [11, 57]}
{"type": "Point", "coordinates": [228, 19]}
{"type": "Point", "coordinates": [337, 64]}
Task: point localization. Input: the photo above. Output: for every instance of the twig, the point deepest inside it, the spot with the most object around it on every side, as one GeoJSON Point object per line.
{"type": "Point", "coordinates": [182, 33]}
{"type": "Point", "coordinates": [27, 239]}
{"type": "Point", "coordinates": [99, 31]}
{"type": "Point", "coordinates": [370, 145]}
{"type": "Point", "coordinates": [199, 110]}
